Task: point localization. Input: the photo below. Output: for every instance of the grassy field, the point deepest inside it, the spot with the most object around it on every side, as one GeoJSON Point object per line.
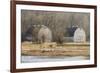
{"type": "Point", "coordinates": [53, 49]}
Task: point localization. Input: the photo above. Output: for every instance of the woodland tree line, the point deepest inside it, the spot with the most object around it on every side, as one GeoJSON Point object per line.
{"type": "Point", "coordinates": [57, 22]}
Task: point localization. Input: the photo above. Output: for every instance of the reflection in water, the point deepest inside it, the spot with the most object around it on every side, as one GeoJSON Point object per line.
{"type": "Point", "coordinates": [29, 59]}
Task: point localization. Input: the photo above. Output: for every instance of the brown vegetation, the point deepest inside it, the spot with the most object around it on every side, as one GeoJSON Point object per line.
{"type": "Point", "coordinates": [53, 49]}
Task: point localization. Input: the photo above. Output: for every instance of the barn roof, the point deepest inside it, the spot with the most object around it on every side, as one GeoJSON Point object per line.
{"type": "Point", "coordinates": [70, 31]}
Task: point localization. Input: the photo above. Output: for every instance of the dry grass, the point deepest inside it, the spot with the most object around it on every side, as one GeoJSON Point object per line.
{"type": "Point", "coordinates": [53, 49]}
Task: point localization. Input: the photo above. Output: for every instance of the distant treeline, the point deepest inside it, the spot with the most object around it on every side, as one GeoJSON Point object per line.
{"type": "Point", "coordinates": [57, 22]}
